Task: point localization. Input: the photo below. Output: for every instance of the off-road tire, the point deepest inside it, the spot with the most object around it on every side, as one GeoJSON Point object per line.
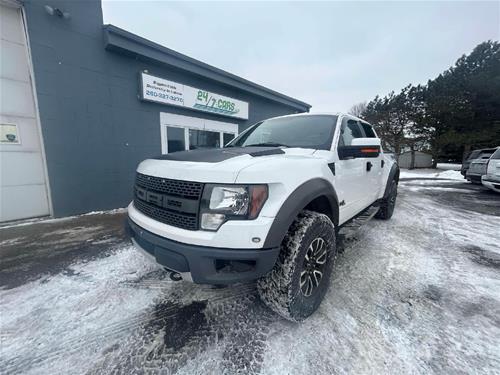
{"type": "Point", "coordinates": [387, 205]}
{"type": "Point", "coordinates": [281, 288]}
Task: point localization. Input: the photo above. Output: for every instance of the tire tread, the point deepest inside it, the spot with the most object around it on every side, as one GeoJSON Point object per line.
{"type": "Point", "coordinates": [275, 288]}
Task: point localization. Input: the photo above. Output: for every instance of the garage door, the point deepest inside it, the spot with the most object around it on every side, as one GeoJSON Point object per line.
{"type": "Point", "coordinates": [23, 188]}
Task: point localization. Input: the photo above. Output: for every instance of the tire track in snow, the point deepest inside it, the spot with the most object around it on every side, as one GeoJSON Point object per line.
{"type": "Point", "coordinates": [116, 330]}
{"type": "Point", "coordinates": [236, 329]}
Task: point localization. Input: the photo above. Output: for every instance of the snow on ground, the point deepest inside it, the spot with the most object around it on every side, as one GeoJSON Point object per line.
{"type": "Point", "coordinates": [449, 166]}
{"type": "Point", "coordinates": [75, 313]}
{"type": "Point", "coordinates": [419, 293]}
{"type": "Point", "coordinates": [432, 173]}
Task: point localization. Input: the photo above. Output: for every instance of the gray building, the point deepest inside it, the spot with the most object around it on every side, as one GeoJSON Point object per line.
{"type": "Point", "coordinates": [419, 159]}
{"type": "Point", "coordinates": [83, 103]}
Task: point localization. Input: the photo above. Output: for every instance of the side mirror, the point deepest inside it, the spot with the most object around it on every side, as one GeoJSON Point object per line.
{"type": "Point", "coordinates": [360, 148]}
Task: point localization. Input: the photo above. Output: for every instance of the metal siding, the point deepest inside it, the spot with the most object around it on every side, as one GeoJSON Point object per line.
{"type": "Point", "coordinates": [94, 127]}
{"type": "Point", "coordinates": [422, 160]}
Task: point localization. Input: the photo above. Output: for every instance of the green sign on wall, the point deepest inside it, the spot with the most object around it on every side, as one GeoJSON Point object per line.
{"type": "Point", "coordinates": [160, 90]}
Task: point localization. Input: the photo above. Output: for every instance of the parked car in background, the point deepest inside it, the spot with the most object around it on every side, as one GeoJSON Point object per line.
{"type": "Point", "coordinates": [473, 155]}
{"type": "Point", "coordinates": [476, 170]}
{"type": "Point", "coordinates": [492, 177]}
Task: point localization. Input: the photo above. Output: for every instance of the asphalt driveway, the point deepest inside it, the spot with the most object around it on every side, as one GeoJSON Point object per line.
{"type": "Point", "coordinates": [419, 293]}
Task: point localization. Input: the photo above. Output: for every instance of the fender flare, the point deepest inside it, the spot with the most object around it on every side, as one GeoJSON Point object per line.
{"type": "Point", "coordinates": [296, 201]}
{"type": "Point", "coordinates": [393, 175]}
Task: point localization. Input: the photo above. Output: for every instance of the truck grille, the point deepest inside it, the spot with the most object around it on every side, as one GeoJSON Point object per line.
{"type": "Point", "coordinates": [179, 188]}
{"type": "Point", "coordinates": [172, 202]}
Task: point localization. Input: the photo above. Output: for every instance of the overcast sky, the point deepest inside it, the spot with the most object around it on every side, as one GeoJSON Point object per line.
{"type": "Point", "coordinates": [330, 55]}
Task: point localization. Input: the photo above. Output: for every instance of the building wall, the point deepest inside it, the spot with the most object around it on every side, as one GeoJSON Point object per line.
{"type": "Point", "coordinates": [94, 127]}
{"type": "Point", "coordinates": [422, 160]}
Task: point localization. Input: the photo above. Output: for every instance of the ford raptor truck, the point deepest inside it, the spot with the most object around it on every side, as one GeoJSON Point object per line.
{"type": "Point", "coordinates": [272, 205]}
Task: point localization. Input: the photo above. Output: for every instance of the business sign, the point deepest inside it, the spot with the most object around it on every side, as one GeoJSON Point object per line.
{"type": "Point", "coordinates": [160, 90]}
{"type": "Point", "coordinates": [9, 134]}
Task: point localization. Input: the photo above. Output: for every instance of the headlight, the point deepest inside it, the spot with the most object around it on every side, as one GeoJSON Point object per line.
{"type": "Point", "coordinates": [231, 202]}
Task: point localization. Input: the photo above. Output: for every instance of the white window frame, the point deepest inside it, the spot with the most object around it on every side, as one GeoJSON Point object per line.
{"type": "Point", "coordinates": [188, 122]}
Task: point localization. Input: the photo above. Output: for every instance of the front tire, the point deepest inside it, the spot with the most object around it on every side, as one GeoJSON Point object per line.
{"type": "Point", "coordinates": [299, 280]}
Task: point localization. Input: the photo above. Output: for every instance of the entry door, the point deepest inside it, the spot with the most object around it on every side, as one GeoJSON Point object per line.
{"type": "Point", "coordinates": [353, 185]}
{"type": "Point", "coordinates": [179, 133]}
{"type": "Point", "coordinates": [23, 187]}
{"type": "Point", "coordinates": [374, 174]}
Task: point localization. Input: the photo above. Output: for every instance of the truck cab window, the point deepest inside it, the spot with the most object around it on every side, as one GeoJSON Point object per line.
{"type": "Point", "coordinates": [350, 130]}
{"type": "Point", "coordinates": [368, 129]}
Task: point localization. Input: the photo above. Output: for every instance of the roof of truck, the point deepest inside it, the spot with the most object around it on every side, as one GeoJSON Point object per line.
{"type": "Point", "coordinates": [322, 114]}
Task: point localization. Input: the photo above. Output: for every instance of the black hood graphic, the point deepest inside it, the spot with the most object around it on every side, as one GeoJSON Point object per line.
{"type": "Point", "coordinates": [216, 155]}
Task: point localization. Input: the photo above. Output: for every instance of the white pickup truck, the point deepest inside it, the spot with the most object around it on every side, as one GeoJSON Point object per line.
{"type": "Point", "coordinates": [269, 206]}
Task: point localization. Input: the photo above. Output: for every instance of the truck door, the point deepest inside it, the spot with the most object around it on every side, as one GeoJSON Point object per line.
{"type": "Point", "coordinates": [352, 186]}
{"type": "Point", "coordinates": [373, 167]}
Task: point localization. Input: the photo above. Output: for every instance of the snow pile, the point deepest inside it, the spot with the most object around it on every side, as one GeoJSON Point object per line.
{"type": "Point", "coordinates": [449, 166]}
{"type": "Point", "coordinates": [431, 173]}
{"type": "Point", "coordinates": [46, 220]}
{"type": "Point", "coordinates": [451, 175]}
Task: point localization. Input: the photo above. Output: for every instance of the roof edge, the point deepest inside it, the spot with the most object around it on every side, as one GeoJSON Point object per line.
{"type": "Point", "coordinates": [122, 41]}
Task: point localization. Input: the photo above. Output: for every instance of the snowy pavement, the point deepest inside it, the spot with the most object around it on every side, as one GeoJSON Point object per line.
{"type": "Point", "coordinates": [417, 294]}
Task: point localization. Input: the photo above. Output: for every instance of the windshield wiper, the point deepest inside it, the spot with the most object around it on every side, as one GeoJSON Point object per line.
{"type": "Point", "coordinates": [266, 144]}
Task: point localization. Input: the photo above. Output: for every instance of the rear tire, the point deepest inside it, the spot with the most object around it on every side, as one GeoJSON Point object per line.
{"type": "Point", "coordinates": [299, 280]}
{"type": "Point", "coordinates": [387, 206]}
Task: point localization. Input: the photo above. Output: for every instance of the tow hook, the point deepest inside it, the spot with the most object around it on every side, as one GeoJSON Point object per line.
{"type": "Point", "coordinates": [174, 276]}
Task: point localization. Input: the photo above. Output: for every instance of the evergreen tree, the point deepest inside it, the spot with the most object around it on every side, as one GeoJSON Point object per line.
{"type": "Point", "coordinates": [455, 112]}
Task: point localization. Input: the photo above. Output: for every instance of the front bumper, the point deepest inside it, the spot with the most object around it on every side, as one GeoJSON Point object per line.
{"type": "Point", "coordinates": [473, 177]}
{"type": "Point", "coordinates": [238, 233]}
{"type": "Point", "coordinates": [205, 265]}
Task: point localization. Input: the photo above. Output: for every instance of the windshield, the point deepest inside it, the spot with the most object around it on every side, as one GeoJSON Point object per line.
{"type": "Point", "coordinates": [472, 155]}
{"type": "Point", "coordinates": [484, 155]}
{"type": "Point", "coordinates": [480, 154]}
{"type": "Point", "coordinates": [312, 131]}
{"type": "Point", "coordinates": [496, 155]}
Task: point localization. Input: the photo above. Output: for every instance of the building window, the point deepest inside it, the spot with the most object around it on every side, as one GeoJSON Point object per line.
{"type": "Point", "coordinates": [176, 140]}
{"type": "Point", "coordinates": [203, 139]}
{"type": "Point", "coordinates": [228, 137]}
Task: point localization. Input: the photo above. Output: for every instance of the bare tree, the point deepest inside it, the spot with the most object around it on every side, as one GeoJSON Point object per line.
{"type": "Point", "coordinates": [358, 109]}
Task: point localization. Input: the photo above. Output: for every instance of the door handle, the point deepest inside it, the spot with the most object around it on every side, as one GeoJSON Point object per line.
{"type": "Point", "coordinates": [369, 166]}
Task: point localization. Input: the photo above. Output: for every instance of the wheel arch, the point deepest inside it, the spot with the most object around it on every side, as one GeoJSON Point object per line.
{"type": "Point", "coordinates": [393, 175]}
{"type": "Point", "coordinates": [316, 195]}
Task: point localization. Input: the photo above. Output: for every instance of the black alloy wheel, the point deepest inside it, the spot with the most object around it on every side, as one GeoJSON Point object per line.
{"type": "Point", "coordinates": [313, 266]}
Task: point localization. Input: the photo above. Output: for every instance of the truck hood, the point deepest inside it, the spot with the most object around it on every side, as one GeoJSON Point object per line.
{"type": "Point", "coordinates": [215, 165]}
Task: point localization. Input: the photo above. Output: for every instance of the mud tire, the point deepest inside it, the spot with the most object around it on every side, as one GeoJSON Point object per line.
{"type": "Point", "coordinates": [282, 288]}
